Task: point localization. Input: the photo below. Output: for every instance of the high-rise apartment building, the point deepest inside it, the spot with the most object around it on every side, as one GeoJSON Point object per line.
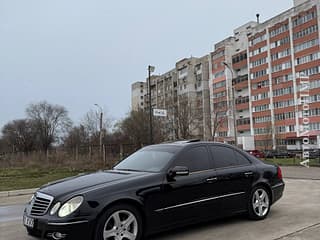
{"type": "Point", "coordinates": [138, 92]}
{"type": "Point", "coordinates": [184, 93]}
{"type": "Point", "coordinates": [256, 77]}
{"type": "Point", "coordinates": [257, 81]}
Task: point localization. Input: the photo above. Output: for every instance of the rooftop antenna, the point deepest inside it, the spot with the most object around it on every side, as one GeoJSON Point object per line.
{"type": "Point", "coordinates": [258, 16]}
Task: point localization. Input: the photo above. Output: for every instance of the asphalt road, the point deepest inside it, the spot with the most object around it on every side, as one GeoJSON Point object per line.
{"type": "Point", "coordinates": [295, 217]}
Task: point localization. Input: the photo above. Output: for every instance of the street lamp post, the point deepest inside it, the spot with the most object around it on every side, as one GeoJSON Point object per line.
{"type": "Point", "coordinates": [100, 132]}
{"type": "Point", "coordinates": [150, 70]}
{"type": "Point", "coordinates": [233, 104]}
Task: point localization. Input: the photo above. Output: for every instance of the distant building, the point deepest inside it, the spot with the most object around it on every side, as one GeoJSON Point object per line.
{"type": "Point", "coordinates": [184, 93]}
{"type": "Point", "coordinates": [138, 91]}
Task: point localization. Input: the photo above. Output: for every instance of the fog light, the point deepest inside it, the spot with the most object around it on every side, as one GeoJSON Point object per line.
{"type": "Point", "coordinates": [57, 235]}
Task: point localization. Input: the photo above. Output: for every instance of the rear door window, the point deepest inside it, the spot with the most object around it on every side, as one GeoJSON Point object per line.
{"type": "Point", "coordinates": [223, 156]}
{"type": "Point", "coordinates": [196, 159]}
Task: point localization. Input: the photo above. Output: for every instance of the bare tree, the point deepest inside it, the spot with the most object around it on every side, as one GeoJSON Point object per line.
{"type": "Point", "coordinates": [51, 122]}
{"type": "Point", "coordinates": [135, 128]}
{"type": "Point", "coordinates": [218, 120]}
{"type": "Point", "coordinates": [267, 137]}
{"type": "Point", "coordinates": [185, 116]}
{"type": "Point", "coordinates": [20, 135]}
{"type": "Point", "coordinates": [91, 124]}
{"type": "Point", "coordinates": [77, 136]}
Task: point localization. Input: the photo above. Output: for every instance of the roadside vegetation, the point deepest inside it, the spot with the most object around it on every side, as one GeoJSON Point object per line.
{"type": "Point", "coordinates": [291, 161]}
{"type": "Point", "coordinates": [22, 178]}
{"type": "Point", "coordinates": [46, 145]}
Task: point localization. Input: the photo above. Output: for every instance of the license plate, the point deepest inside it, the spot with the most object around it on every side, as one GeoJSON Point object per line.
{"type": "Point", "coordinates": [28, 222]}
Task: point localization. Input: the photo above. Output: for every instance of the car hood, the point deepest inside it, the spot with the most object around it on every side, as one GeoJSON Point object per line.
{"type": "Point", "coordinates": [83, 183]}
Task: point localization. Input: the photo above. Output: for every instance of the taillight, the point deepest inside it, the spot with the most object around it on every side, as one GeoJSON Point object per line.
{"type": "Point", "coordinates": [279, 174]}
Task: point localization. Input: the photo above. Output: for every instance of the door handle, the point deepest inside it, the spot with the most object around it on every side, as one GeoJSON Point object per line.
{"type": "Point", "coordinates": [212, 179]}
{"type": "Point", "coordinates": [248, 174]}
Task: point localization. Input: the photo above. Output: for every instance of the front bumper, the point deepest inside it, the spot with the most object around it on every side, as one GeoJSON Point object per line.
{"type": "Point", "coordinates": [46, 229]}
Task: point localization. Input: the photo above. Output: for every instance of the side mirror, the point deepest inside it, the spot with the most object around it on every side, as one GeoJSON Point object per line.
{"type": "Point", "coordinates": [178, 171]}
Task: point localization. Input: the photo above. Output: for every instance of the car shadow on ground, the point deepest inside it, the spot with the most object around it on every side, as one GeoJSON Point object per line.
{"type": "Point", "coordinates": [199, 227]}
{"type": "Point", "coordinates": [181, 232]}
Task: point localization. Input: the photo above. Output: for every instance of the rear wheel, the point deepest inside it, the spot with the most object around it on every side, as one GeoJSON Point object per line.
{"type": "Point", "coordinates": [259, 203]}
{"type": "Point", "coordinates": [120, 222]}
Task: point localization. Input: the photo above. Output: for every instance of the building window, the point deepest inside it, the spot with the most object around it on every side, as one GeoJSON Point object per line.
{"type": "Point", "coordinates": [260, 96]}
{"type": "Point", "coordinates": [311, 71]}
{"type": "Point", "coordinates": [279, 30]}
{"type": "Point", "coordinates": [261, 84]}
{"type": "Point", "coordinates": [283, 104]}
{"type": "Point", "coordinates": [284, 116]}
{"type": "Point", "coordinates": [307, 58]}
{"type": "Point", "coordinates": [281, 67]}
{"type": "Point", "coordinates": [258, 62]}
{"type": "Point", "coordinates": [258, 74]}
{"type": "Point", "coordinates": [258, 39]}
{"type": "Point", "coordinates": [282, 91]}
{"type": "Point", "coordinates": [258, 51]}
{"type": "Point", "coordinates": [304, 19]}
{"type": "Point", "coordinates": [261, 108]}
{"type": "Point", "coordinates": [219, 74]}
{"type": "Point", "coordinates": [281, 54]}
{"type": "Point", "coordinates": [305, 45]}
{"type": "Point", "coordinates": [241, 100]}
{"type": "Point", "coordinates": [305, 32]}
{"type": "Point", "coordinates": [262, 119]}
{"type": "Point", "coordinates": [315, 126]}
{"type": "Point", "coordinates": [219, 84]}
{"type": "Point", "coordinates": [282, 79]}
{"type": "Point", "coordinates": [239, 58]}
{"type": "Point", "coordinates": [219, 94]}
{"type": "Point", "coordinates": [280, 42]}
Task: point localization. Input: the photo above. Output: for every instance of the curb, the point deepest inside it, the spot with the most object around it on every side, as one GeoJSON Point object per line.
{"type": "Point", "coordinates": [14, 193]}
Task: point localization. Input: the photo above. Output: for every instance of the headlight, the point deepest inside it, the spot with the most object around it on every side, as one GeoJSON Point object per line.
{"type": "Point", "coordinates": [70, 206]}
{"type": "Point", "coordinates": [55, 208]}
{"type": "Point", "coordinates": [32, 197]}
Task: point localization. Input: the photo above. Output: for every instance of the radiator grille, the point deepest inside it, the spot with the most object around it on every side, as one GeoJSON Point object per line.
{"type": "Point", "coordinates": [40, 204]}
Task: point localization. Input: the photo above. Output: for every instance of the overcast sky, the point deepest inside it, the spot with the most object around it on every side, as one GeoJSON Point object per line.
{"type": "Point", "coordinates": [77, 53]}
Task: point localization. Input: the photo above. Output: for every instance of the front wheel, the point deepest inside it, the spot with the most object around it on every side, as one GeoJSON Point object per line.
{"type": "Point", "coordinates": [259, 203]}
{"type": "Point", "coordinates": [120, 222]}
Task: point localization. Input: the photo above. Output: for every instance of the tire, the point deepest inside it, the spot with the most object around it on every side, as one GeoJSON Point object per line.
{"type": "Point", "coordinates": [120, 222]}
{"type": "Point", "coordinates": [259, 203]}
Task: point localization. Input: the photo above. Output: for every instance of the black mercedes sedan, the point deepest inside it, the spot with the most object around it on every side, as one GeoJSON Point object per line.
{"type": "Point", "coordinates": [155, 189]}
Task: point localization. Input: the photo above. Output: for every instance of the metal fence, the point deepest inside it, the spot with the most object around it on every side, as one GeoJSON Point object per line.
{"type": "Point", "coordinates": [86, 157]}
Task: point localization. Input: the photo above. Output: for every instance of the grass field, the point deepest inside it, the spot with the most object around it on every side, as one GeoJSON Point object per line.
{"type": "Point", "coordinates": [15, 178]}
{"type": "Point", "coordinates": [22, 178]}
{"type": "Point", "coordinates": [291, 161]}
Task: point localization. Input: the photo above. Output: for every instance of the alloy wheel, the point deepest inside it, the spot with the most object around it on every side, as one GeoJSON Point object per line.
{"type": "Point", "coordinates": [121, 225]}
{"type": "Point", "coordinates": [260, 202]}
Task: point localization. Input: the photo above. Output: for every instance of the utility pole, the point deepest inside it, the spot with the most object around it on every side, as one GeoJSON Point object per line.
{"type": "Point", "coordinates": [233, 104]}
{"type": "Point", "coordinates": [150, 70]}
{"type": "Point", "coordinates": [100, 123]}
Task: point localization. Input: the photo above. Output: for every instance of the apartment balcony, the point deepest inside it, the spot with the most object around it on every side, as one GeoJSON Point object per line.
{"type": "Point", "coordinates": [244, 127]}
{"type": "Point", "coordinates": [242, 106]}
{"type": "Point", "coordinates": [241, 85]}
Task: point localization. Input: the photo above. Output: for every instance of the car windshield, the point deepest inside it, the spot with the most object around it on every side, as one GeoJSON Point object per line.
{"type": "Point", "coordinates": [146, 160]}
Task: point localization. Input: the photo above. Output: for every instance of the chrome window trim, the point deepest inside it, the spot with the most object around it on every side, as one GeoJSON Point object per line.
{"type": "Point", "coordinates": [199, 201]}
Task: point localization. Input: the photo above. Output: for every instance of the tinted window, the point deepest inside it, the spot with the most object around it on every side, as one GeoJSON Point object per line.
{"type": "Point", "coordinates": [223, 156]}
{"type": "Point", "coordinates": [242, 160]}
{"type": "Point", "coordinates": [196, 159]}
{"type": "Point", "coordinates": [150, 160]}
{"type": "Point", "coordinates": [226, 157]}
